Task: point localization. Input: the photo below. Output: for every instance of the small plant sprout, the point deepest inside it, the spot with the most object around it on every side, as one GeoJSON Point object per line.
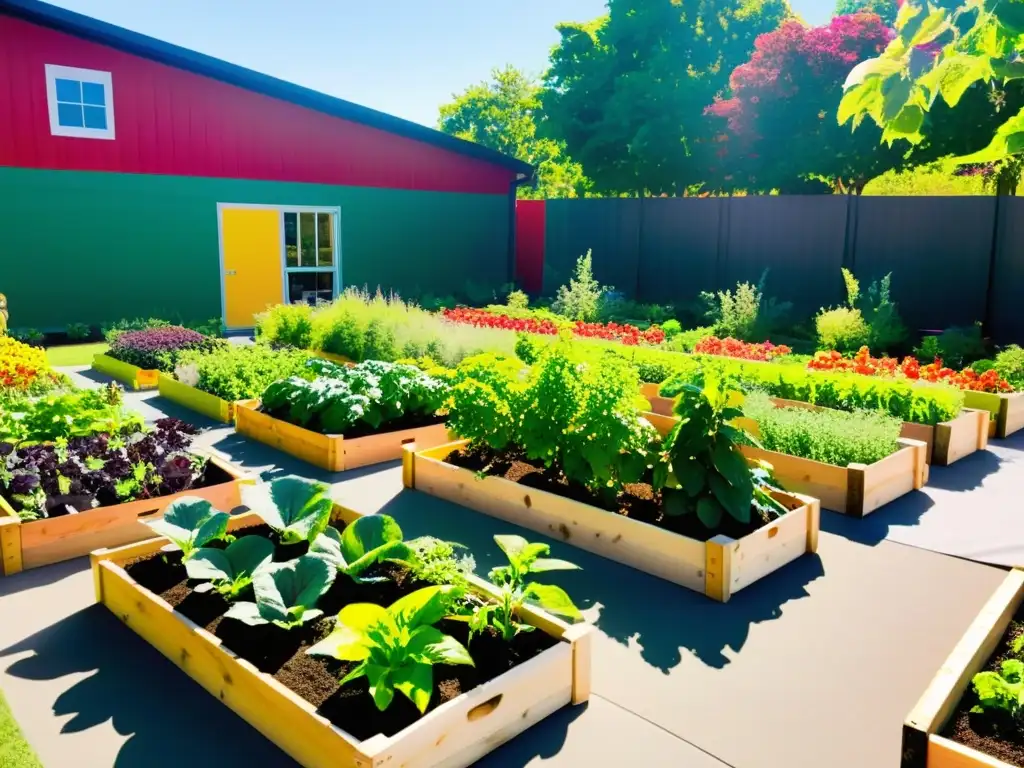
{"type": "Point", "coordinates": [396, 647]}
{"type": "Point", "coordinates": [524, 560]}
{"type": "Point", "coordinates": [286, 593]}
{"type": "Point", "coordinates": [191, 523]}
{"type": "Point", "coordinates": [364, 543]}
{"type": "Point", "coordinates": [231, 570]}
{"type": "Point", "coordinates": [297, 509]}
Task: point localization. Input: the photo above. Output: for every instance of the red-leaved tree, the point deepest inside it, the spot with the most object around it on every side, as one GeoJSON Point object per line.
{"type": "Point", "coordinates": [778, 125]}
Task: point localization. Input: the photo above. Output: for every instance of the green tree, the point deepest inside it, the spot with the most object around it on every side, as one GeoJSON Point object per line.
{"type": "Point", "coordinates": [627, 92]}
{"type": "Point", "coordinates": [886, 9]}
{"type": "Point", "coordinates": [502, 114]}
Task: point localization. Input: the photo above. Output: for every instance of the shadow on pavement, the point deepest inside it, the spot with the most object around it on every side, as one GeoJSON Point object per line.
{"type": "Point", "coordinates": [660, 619]}
{"type": "Point", "coordinates": [168, 720]}
{"type": "Point", "coordinates": [544, 740]}
{"type": "Point", "coordinates": [966, 474]}
{"type": "Point", "coordinates": [42, 577]}
{"type": "Point", "coordinates": [873, 529]}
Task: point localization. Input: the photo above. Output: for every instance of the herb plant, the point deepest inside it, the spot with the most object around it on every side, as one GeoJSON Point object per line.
{"type": "Point", "coordinates": [363, 543]}
{"type": "Point", "coordinates": [229, 571]}
{"type": "Point", "coordinates": [435, 561]}
{"type": "Point", "coordinates": [395, 648]}
{"type": "Point", "coordinates": [239, 372]}
{"type": "Point", "coordinates": [191, 523]}
{"type": "Point", "coordinates": [524, 560]}
{"type": "Point", "coordinates": [297, 509]}
{"type": "Point", "coordinates": [286, 593]}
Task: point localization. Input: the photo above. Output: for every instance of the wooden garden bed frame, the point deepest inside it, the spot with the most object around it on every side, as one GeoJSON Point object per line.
{"type": "Point", "coordinates": [195, 399]}
{"type": "Point", "coordinates": [1007, 409]}
{"type": "Point", "coordinates": [458, 733]}
{"type": "Point", "coordinates": [922, 745]}
{"type": "Point", "coordinates": [25, 545]}
{"type": "Point", "coordinates": [331, 452]}
{"type": "Point", "coordinates": [126, 373]}
{"type": "Point", "coordinates": [717, 568]}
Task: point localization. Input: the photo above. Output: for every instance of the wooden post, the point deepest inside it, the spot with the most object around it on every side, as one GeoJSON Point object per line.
{"type": "Point", "coordinates": [856, 481]}
{"type": "Point", "coordinates": [10, 545]}
{"type": "Point", "coordinates": [718, 568]}
{"type": "Point", "coordinates": [409, 465]}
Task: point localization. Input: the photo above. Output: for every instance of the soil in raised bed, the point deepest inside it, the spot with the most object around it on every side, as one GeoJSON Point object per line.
{"type": "Point", "coordinates": [639, 501]}
{"type": "Point", "coordinates": [408, 421]}
{"type": "Point", "coordinates": [1001, 740]}
{"type": "Point", "coordinates": [316, 679]}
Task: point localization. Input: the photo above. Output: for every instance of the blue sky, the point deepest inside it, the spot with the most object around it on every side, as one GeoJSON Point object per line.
{"type": "Point", "coordinates": [405, 57]}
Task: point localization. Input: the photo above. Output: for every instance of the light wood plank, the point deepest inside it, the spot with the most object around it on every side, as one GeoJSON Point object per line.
{"type": "Point", "coordinates": [1011, 415]}
{"type": "Point", "coordinates": [945, 753]}
{"type": "Point", "coordinates": [768, 549]}
{"type": "Point", "coordinates": [388, 446]}
{"type": "Point", "coordinates": [194, 399]}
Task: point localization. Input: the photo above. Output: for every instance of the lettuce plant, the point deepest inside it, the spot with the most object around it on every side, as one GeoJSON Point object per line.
{"type": "Point", "coordinates": [229, 571]}
{"type": "Point", "coordinates": [286, 593]}
{"type": "Point", "coordinates": [1001, 694]}
{"type": "Point", "coordinates": [396, 647]}
{"type": "Point", "coordinates": [366, 542]}
{"type": "Point", "coordinates": [524, 560]}
{"type": "Point", "coordinates": [297, 509]}
{"type": "Point", "coordinates": [191, 523]}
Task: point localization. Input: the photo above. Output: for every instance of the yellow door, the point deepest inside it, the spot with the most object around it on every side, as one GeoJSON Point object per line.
{"type": "Point", "coordinates": [251, 242]}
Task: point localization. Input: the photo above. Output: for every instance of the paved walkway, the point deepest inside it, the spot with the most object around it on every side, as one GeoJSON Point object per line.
{"type": "Point", "coordinates": [815, 666]}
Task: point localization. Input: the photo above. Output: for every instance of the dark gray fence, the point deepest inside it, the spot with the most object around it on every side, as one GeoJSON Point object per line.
{"type": "Point", "coordinates": [954, 260]}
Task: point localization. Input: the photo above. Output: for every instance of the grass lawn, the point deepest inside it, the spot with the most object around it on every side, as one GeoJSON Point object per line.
{"type": "Point", "coordinates": [75, 354]}
{"type": "Point", "coordinates": [14, 750]}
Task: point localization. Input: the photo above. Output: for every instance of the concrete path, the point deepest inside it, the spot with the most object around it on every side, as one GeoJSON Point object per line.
{"type": "Point", "coordinates": [814, 666]}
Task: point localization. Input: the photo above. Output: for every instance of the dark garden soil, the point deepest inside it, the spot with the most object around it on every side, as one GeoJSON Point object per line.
{"type": "Point", "coordinates": [316, 679]}
{"type": "Point", "coordinates": [639, 501]}
{"type": "Point", "coordinates": [408, 421]}
{"type": "Point", "coordinates": [1001, 740]}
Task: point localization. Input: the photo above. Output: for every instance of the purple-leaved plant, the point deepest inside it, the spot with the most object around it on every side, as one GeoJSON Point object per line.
{"type": "Point", "coordinates": [158, 348]}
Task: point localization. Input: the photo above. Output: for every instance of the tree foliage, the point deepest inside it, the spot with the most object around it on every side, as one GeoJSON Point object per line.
{"type": "Point", "coordinates": [627, 92]}
{"type": "Point", "coordinates": [885, 9]}
{"type": "Point", "coordinates": [778, 127]}
{"type": "Point", "coordinates": [502, 114]}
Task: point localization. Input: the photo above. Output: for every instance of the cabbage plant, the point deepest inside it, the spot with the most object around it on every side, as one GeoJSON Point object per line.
{"type": "Point", "coordinates": [229, 571]}
{"type": "Point", "coordinates": [190, 523]}
{"type": "Point", "coordinates": [297, 509]}
{"type": "Point", "coordinates": [363, 543]}
{"type": "Point", "coordinates": [286, 593]}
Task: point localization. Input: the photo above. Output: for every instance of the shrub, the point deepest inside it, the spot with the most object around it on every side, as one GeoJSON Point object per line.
{"type": "Point", "coordinates": [286, 325]}
{"type": "Point", "coordinates": [957, 346]}
{"type": "Point", "coordinates": [686, 341]}
{"type": "Point", "coordinates": [832, 437]}
{"type": "Point", "coordinates": [211, 327]}
{"type": "Point", "coordinates": [517, 300]}
{"type": "Point", "coordinates": [618, 309]}
{"type": "Point", "coordinates": [31, 336]}
{"type": "Point", "coordinates": [159, 348]}
{"type": "Point", "coordinates": [744, 313]}
{"type": "Point", "coordinates": [237, 371]}
{"type": "Point", "coordinates": [882, 316]}
{"type": "Point", "coordinates": [842, 329]}
{"type": "Point", "coordinates": [671, 328]}
{"type": "Point", "coordinates": [981, 367]}
{"type": "Point", "coordinates": [1010, 365]}
{"type": "Point", "coordinates": [581, 299]}
{"type": "Point", "coordinates": [112, 331]}
{"type": "Point", "coordinates": [78, 332]}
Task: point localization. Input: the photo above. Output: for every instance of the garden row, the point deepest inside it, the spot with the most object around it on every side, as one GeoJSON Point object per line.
{"type": "Point", "coordinates": [567, 449]}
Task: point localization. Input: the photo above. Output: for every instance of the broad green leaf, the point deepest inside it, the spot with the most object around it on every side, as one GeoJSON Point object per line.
{"type": "Point", "coordinates": [691, 475]}
{"type": "Point", "coordinates": [552, 599]}
{"type": "Point", "coordinates": [895, 93]}
{"type": "Point", "coordinates": [188, 512]}
{"type": "Point", "coordinates": [998, 149]}
{"type": "Point", "coordinates": [860, 100]}
{"type": "Point", "coordinates": [907, 125]}
{"type": "Point", "coordinates": [424, 606]}
{"type": "Point", "coordinates": [214, 528]}
{"type": "Point", "coordinates": [511, 545]}
{"type": "Point", "coordinates": [361, 617]}
{"type": "Point", "coordinates": [247, 613]}
{"type": "Point", "coordinates": [955, 74]}
{"type": "Point", "coordinates": [296, 584]}
{"type": "Point", "coordinates": [415, 681]}
{"type": "Point", "coordinates": [344, 644]}
{"type": "Point", "coordinates": [932, 25]}
{"type": "Point", "coordinates": [298, 509]}
{"type": "Point", "coordinates": [731, 464]}
{"type": "Point", "coordinates": [431, 645]}
{"type": "Point", "coordinates": [906, 13]}
{"type": "Point", "coordinates": [241, 559]}
{"type": "Point", "coordinates": [675, 503]}
{"type": "Point", "coordinates": [880, 67]}
{"type": "Point", "coordinates": [1013, 670]}
{"type": "Point", "coordinates": [210, 564]}
{"type": "Point", "coordinates": [710, 512]}
{"type": "Point", "coordinates": [1007, 70]}
{"type": "Point", "coordinates": [355, 674]}
{"type": "Point", "coordinates": [735, 501]}
{"type": "Point", "coordinates": [542, 564]}
{"type": "Point", "coordinates": [381, 687]}
{"type": "Point", "coordinates": [367, 534]}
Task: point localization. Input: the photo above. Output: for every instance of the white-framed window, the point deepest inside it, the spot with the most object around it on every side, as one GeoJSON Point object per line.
{"type": "Point", "coordinates": [81, 102]}
{"type": "Point", "coordinates": [310, 256]}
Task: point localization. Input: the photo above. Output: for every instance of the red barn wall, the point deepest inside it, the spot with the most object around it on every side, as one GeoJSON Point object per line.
{"type": "Point", "coordinates": [169, 121]}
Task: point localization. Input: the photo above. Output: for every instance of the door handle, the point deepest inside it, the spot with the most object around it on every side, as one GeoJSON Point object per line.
{"type": "Point", "coordinates": [230, 273]}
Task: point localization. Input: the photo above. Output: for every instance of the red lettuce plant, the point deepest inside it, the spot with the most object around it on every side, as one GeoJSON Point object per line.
{"type": "Point", "coordinates": [159, 348]}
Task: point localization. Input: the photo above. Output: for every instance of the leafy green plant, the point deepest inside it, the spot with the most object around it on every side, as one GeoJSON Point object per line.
{"type": "Point", "coordinates": [671, 328]}
{"type": "Point", "coordinates": [685, 341]}
{"type": "Point", "coordinates": [229, 571]}
{"type": "Point", "coordinates": [831, 437]}
{"type": "Point", "coordinates": [286, 325]}
{"type": "Point", "coordinates": [958, 347]}
{"type": "Point", "coordinates": [868, 319]}
{"type": "Point", "coordinates": [286, 593]}
{"type": "Point", "coordinates": [396, 648]}
{"type": "Point", "coordinates": [362, 544]}
{"type": "Point", "coordinates": [744, 313]}
{"type": "Point", "coordinates": [882, 316]}
{"type": "Point", "coordinates": [703, 471]}
{"type": "Point", "coordinates": [239, 372]}
{"type": "Point", "coordinates": [842, 329]}
{"type": "Point", "coordinates": [1001, 693]}
{"type": "Point", "coordinates": [435, 561]}
{"type": "Point", "coordinates": [295, 508]}
{"type": "Point", "coordinates": [581, 298]}
{"type": "Point", "coordinates": [31, 336]}
{"type": "Point", "coordinates": [517, 300]}
{"type": "Point", "coordinates": [191, 523]}
{"type": "Point", "coordinates": [80, 413]}
{"type": "Point", "coordinates": [1010, 365]}
{"type": "Point", "coordinates": [78, 331]}
{"type": "Point", "coordinates": [524, 560]}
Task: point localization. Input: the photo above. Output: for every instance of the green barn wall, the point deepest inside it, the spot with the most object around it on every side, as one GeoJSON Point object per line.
{"type": "Point", "coordinates": [94, 247]}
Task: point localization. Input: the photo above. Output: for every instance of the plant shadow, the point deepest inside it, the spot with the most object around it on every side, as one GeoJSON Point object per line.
{"type": "Point", "coordinates": [966, 474]}
{"type": "Point", "coordinates": [874, 529]}
{"type": "Point", "coordinates": [143, 696]}
{"type": "Point", "coordinates": [660, 619]}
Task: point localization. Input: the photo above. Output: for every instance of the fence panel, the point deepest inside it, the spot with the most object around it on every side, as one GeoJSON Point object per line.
{"type": "Point", "coordinates": [678, 248]}
{"type": "Point", "coordinates": [1008, 286]}
{"type": "Point", "coordinates": [609, 227]}
{"type": "Point", "coordinates": [938, 250]}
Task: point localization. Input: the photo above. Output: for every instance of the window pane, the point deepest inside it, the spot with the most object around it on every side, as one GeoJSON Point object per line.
{"type": "Point", "coordinates": [68, 90]}
{"type": "Point", "coordinates": [307, 239]}
{"type": "Point", "coordinates": [70, 115]}
{"type": "Point", "coordinates": [95, 117]}
{"type": "Point", "coordinates": [92, 93]}
{"type": "Point", "coordinates": [325, 240]}
{"type": "Point", "coordinates": [291, 239]}
{"type": "Point", "coordinates": [310, 287]}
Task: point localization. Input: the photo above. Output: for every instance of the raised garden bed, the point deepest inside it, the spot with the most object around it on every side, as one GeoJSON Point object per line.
{"type": "Point", "coordinates": [195, 399]}
{"type": "Point", "coordinates": [1007, 410]}
{"type": "Point", "coordinates": [130, 375]}
{"type": "Point", "coordinates": [718, 568]}
{"type": "Point", "coordinates": [458, 732]}
{"type": "Point", "coordinates": [340, 359]}
{"type": "Point", "coordinates": [334, 453]}
{"type": "Point", "coordinates": [659, 405]}
{"type": "Point", "coordinates": [940, 715]}
{"type": "Point", "coordinates": [25, 545]}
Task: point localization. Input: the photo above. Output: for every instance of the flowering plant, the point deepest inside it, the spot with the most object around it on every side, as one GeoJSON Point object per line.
{"type": "Point", "coordinates": [158, 348]}
{"type": "Point", "coordinates": [24, 369]}
{"type": "Point", "coordinates": [730, 347]}
{"type": "Point", "coordinates": [935, 372]}
{"type": "Point", "coordinates": [626, 334]}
